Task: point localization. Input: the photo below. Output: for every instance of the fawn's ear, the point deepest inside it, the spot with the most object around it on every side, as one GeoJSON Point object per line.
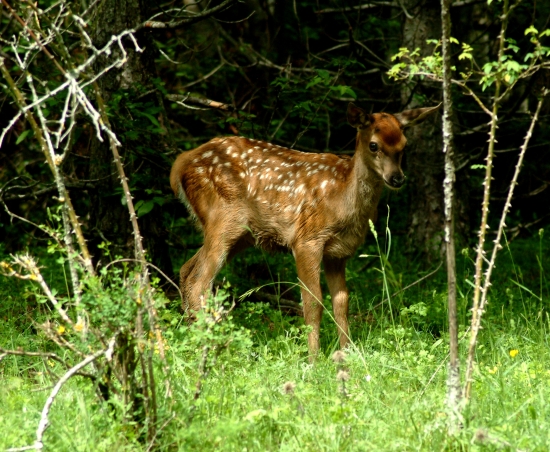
{"type": "Point", "coordinates": [357, 117]}
{"type": "Point", "coordinates": [409, 118]}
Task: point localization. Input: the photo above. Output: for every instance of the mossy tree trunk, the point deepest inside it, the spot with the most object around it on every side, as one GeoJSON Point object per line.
{"type": "Point", "coordinates": [424, 159]}
{"type": "Point", "coordinates": [128, 91]}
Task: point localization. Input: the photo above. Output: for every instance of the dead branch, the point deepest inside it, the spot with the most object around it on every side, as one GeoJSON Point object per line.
{"type": "Point", "coordinates": [180, 23]}
{"type": "Point", "coordinates": [44, 423]}
{"type": "Point", "coordinates": [357, 8]}
{"type": "Point", "coordinates": [184, 99]}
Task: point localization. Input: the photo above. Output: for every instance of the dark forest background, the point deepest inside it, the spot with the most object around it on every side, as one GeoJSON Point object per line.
{"type": "Point", "coordinates": [284, 72]}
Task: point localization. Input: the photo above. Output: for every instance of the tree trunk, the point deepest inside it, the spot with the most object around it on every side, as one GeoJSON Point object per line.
{"type": "Point", "coordinates": [109, 218]}
{"type": "Point", "coordinates": [424, 159]}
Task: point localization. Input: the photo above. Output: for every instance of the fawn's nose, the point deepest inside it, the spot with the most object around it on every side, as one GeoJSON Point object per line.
{"type": "Point", "coordinates": [397, 180]}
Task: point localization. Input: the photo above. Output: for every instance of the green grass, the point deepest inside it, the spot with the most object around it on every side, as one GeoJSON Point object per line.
{"type": "Point", "coordinates": [394, 399]}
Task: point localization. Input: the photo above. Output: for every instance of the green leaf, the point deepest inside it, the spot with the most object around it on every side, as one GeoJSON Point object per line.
{"type": "Point", "coordinates": [344, 89]}
{"type": "Point", "coordinates": [487, 68]}
{"type": "Point", "coordinates": [531, 31]}
{"type": "Point", "coordinates": [23, 135]}
{"type": "Point", "coordinates": [315, 81]}
{"type": "Point", "coordinates": [151, 118]}
{"type": "Point", "coordinates": [144, 207]}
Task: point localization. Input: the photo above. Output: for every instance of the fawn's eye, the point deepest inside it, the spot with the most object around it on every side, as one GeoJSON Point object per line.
{"type": "Point", "coordinates": [373, 146]}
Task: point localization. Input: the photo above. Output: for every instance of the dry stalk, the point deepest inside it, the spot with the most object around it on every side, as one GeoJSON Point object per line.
{"type": "Point", "coordinates": [28, 263]}
{"type": "Point", "coordinates": [480, 257]}
{"type": "Point", "coordinates": [476, 320]}
{"type": "Point", "coordinates": [43, 424]}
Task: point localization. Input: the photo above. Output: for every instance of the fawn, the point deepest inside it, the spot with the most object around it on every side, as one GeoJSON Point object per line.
{"type": "Point", "coordinates": [246, 192]}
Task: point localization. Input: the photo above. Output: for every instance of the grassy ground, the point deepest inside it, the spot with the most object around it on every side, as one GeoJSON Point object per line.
{"type": "Point", "coordinates": [261, 393]}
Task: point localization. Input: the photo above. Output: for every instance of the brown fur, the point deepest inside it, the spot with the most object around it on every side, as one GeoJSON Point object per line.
{"type": "Point", "coordinates": [245, 192]}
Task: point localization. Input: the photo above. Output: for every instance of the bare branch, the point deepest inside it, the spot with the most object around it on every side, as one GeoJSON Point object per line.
{"type": "Point", "coordinates": [357, 8]}
{"type": "Point", "coordinates": [153, 24]}
{"type": "Point", "coordinates": [479, 307]}
{"type": "Point", "coordinates": [44, 423]}
{"type": "Point", "coordinates": [183, 99]}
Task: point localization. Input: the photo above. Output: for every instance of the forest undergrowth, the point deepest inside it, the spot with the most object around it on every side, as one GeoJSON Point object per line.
{"type": "Point", "coordinates": [245, 383]}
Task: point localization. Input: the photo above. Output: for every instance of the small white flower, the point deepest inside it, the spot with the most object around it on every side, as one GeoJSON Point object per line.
{"type": "Point", "coordinates": [368, 378]}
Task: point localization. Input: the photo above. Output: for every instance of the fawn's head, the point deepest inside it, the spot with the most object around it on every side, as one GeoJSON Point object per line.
{"type": "Point", "coordinates": [380, 140]}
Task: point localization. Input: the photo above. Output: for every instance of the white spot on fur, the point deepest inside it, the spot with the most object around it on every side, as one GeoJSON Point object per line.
{"type": "Point", "coordinates": [200, 170]}
{"type": "Point", "coordinates": [207, 154]}
{"type": "Point", "coordinates": [324, 184]}
{"type": "Point", "coordinates": [215, 160]}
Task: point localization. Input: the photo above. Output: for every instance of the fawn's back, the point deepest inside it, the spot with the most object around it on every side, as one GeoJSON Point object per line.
{"type": "Point", "coordinates": [279, 195]}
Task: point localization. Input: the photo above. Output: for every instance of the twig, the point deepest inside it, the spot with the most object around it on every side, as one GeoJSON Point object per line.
{"type": "Point", "coordinates": [29, 264]}
{"type": "Point", "coordinates": [43, 355]}
{"type": "Point", "coordinates": [480, 258]}
{"type": "Point", "coordinates": [154, 24]}
{"type": "Point", "coordinates": [357, 8]}
{"type": "Point", "coordinates": [480, 307]}
{"type": "Point", "coordinates": [409, 286]}
{"type": "Point", "coordinates": [44, 423]}
{"type": "Point", "coordinates": [204, 77]}
{"type": "Point", "coordinates": [182, 99]}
